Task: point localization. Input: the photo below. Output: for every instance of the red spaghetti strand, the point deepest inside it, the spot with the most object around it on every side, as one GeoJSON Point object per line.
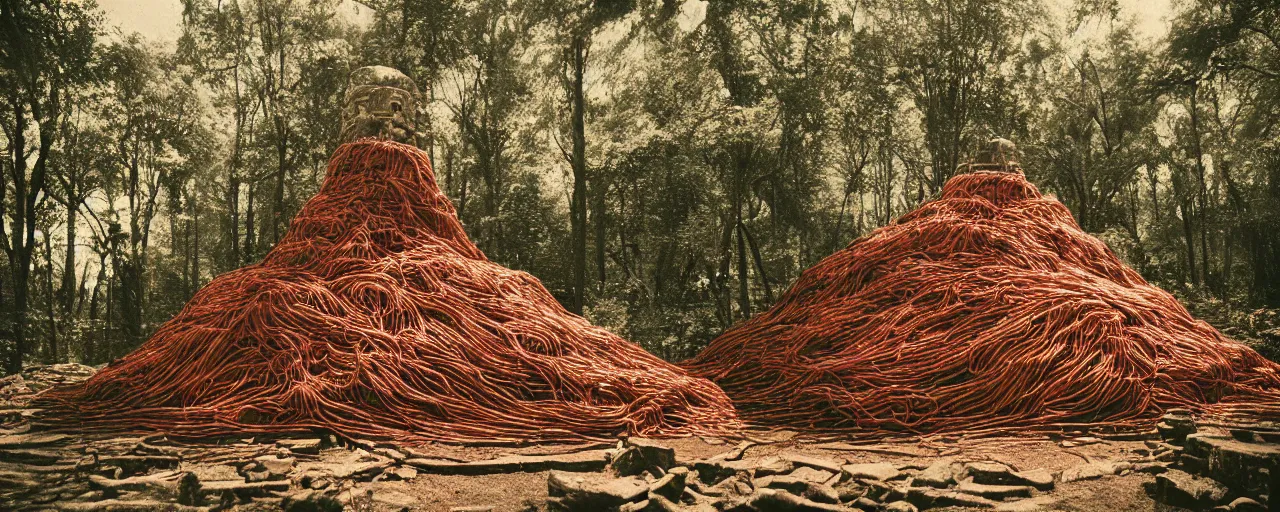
{"type": "Point", "coordinates": [376, 316]}
{"type": "Point", "coordinates": [986, 309]}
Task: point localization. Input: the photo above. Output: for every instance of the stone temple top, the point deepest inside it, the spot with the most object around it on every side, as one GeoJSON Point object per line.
{"type": "Point", "coordinates": [381, 102]}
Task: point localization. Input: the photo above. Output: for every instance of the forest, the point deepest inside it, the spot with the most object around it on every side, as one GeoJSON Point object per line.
{"type": "Point", "coordinates": [666, 168]}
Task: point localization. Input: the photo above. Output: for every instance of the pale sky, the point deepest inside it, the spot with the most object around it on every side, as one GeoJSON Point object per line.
{"type": "Point", "coordinates": [159, 20]}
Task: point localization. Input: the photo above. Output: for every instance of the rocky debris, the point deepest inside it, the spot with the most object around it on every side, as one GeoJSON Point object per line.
{"type": "Point", "coordinates": [810, 474]}
{"type": "Point", "coordinates": [583, 461]}
{"type": "Point", "coordinates": [473, 508]}
{"type": "Point", "coordinates": [1241, 505]}
{"type": "Point", "coordinates": [39, 457]}
{"type": "Point", "coordinates": [900, 506]}
{"type": "Point", "coordinates": [712, 471]}
{"type": "Point", "coordinates": [771, 500]}
{"type": "Point", "coordinates": [1214, 465]}
{"type": "Point", "coordinates": [1040, 479]}
{"type": "Point", "coordinates": [166, 482]}
{"type": "Point", "coordinates": [139, 464]}
{"type": "Point", "coordinates": [398, 473]}
{"type": "Point", "coordinates": [318, 473]}
{"type": "Point", "coordinates": [640, 454]}
{"type": "Point", "coordinates": [309, 446]}
{"type": "Point", "coordinates": [671, 486]}
{"type": "Point", "coordinates": [1176, 425]}
{"type": "Point", "coordinates": [1230, 461]}
{"type": "Point", "coordinates": [995, 492]}
{"type": "Point", "coordinates": [1093, 470]}
{"type": "Point", "coordinates": [938, 475]}
{"type": "Point", "coordinates": [574, 492]}
{"type": "Point", "coordinates": [267, 467]}
{"type": "Point", "coordinates": [813, 462]}
{"type": "Point", "coordinates": [1185, 490]}
{"type": "Point", "coordinates": [31, 440]}
{"type": "Point", "coordinates": [236, 490]}
{"type": "Point", "coordinates": [736, 453]}
{"type": "Point", "coordinates": [875, 470]}
{"type": "Point", "coordinates": [818, 492]}
{"type": "Point", "coordinates": [927, 497]}
{"type": "Point", "coordinates": [311, 501]}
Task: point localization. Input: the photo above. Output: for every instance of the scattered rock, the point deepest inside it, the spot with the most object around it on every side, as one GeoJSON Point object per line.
{"type": "Point", "coordinates": [1236, 463]}
{"type": "Point", "coordinates": [925, 497]}
{"type": "Point", "coordinates": [1243, 504]}
{"type": "Point", "coordinates": [900, 506]}
{"type": "Point", "coordinates": [773, 466]}
{"type": "Point", "coordinates": [810, 474]}
{"type": "Point", "coordinates": [1041, 479]}
{"type": "Point", "coordinates": [36, 457]}
{"type": "Point", "coordinates": [938, 475]}
{"type": "Point", "coordinates": [398, 473]}
{"type": "Point", "coordinates": [1243, 435]}
{"type": "Point", "coordinates": [31, 440]}
{"type": "Point", "coordinates": [992, 473]}
{"type": "Point", "coordinates": [473, 508]}
{"type": "Point", "coordinates": [583, 461]}
{"type": "Point", "coordinates": [818, 492]}
{"type": "Point", "coordinates": [112, 488]}
{"type": "Point", "coordinates": [311, 501]}
{"type": "Point", "coordinates": [813, 462]}
{"type": "Point", "coordinates": [712, 471]}
{"type": "Point", "coordinates": [394, 498]}
{"type": "Point", "coordinates": [589, 492]}
{"type": "Point", "coordinates": [640, 454]}
{"type": "Point", "coordinates": [1175, 426]}
{"type": "Point", "coordinates": [1092, 470]}
{"type": "Point", "coordinates": [771, 500]}
{"type": "Point", "coordinates": [140, 464]}
{"type": "Point", "coordinates": [1036, 504]}
{"type": "Point", "coordinates": [305, 446]}
{"type": "Point", "coordinates": [736, 453]}
{"type": "Point", "coordinates": [995, 492]}
{"type": "Point", "coordinates": [239, 490]}
{"type": "Point", "coordinates": [670, 486]}
{"type": "Point", "coordinates": [1181, 489]}
{"type": "Point", "coordinates": [875, 470]}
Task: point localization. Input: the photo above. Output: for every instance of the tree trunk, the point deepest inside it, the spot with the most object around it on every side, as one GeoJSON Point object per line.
{"type": "Point", "coordinates": [597, 220]}
{"type": "Point", "coordinates": [578, 202]}
{"type": "Point", "coordinates": [744, 286]}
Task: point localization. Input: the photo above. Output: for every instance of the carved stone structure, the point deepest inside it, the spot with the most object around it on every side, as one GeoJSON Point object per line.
{"type": "Point", "coordinates": [1001, 152]}
{"type": "Point", "coordinates": [380, 103]}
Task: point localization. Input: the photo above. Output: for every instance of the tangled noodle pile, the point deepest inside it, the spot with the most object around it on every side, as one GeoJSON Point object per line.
{"type": "Point", "coordinates": [377, 316]}
{"type": "Point", "coordinates": [985, 310]}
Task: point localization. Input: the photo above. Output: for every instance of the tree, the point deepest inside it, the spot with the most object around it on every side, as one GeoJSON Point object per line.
{"type": "Point", "coordinates": [951, 55]}
{"type": "Point", "coordinates": [47, 48]}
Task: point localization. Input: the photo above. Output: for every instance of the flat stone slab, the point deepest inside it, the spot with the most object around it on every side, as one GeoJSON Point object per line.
{"type": "Point", "coordinates": [242, 489]}
{"type": "Point", "coordinates": [812, 462]}
{"type": "Point", "coordinates": [578, 491]}
{"type": "Point", "coordinates": [1234, 462]}
{"type": "Point", "coordinates": [584, 461]}
{"type": "Point", "coordinates": [26, 440]}
{"type": "Point", "coordinates": [995, 492]}
{"type": "Point", "coordinates": [927, 497]}
{"type": "Point", "coordinates": [308, 446]}
{"type": "Point", "coordinates": [1182, 489]}
{"type": "Point", "coordinates": [875, 470]}
{"type": "Point", "coordinates": [938, 475]}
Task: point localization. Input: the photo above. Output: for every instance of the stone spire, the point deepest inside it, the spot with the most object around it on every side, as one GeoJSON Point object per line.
{"type": "Point", "coordinates": [1000, 152]}
{"type": "Point", "coordinates": [380, 103]}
